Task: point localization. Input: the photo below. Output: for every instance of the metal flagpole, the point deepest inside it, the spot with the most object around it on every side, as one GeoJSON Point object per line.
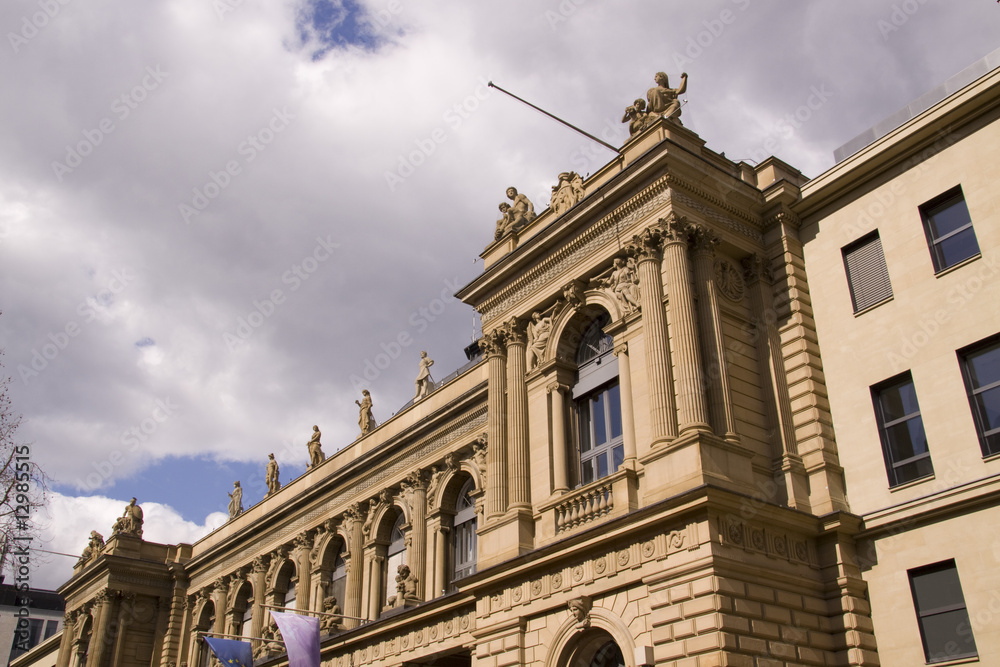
{"type": "Point", "coordinates": [554, 117]}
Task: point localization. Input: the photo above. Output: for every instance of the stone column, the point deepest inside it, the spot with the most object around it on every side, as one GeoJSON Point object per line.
{"type": "Point", "coordinates": [353, 522]}
{"type": "Point", "coordinates": [175, 614]}
{"type": "Point", "coordinates": [774, 383]}
{"type": "Point", "coordinates": [219, 597]}
{"type": "Point", "coordinates": [494, 345]}
{"type": "Point", "coordinates": [646, 248]}
{"type": "Point", "coordinates": [66, 641]}
{"type": "Point", "coordinates": [259, 579]}
{"type": "Point", "coordinates": [519, 478]}
{"type": "Point", "coordinates": [441, 562]}
{"type": "Point", "coordinates": [100, 637]}
{"type": "Point", "coordinates": [723, 419]}
{"type": "Point", "coordinates": [415, 493]}
{"type": "Point", "coordinates": [303, 545]}
{"type": "Point", "coordinates": [126, 612]}
{"type": "Point", "coordinates": [375, 587]}
{"type": "Point", "coordinates": [692, 408]}
{"type": "Point", "coordinates": [560, 453]}
{"type": "Point", "coordinates": [628, 410]}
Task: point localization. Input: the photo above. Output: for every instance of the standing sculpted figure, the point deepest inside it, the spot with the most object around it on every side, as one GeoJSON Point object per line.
{"type": "Point", "coordinates": [271, 475]}
{"type": "Point", "coordinates": [236, 501]}
{"type": "Point", "coordinates": [131, 520]}
{"type": "Point", "coordinates": [424, 382]}
{"type": "Point", "coordinates": [663, 100]}
{"type": "Point", "coordinates": [625, 283]}
{"type": "Point", "coordinates": [316, 455]}
{"type": "Point", "coordinates": [366, 420]}
{"type": "Point", "coordinates": [539, 330]}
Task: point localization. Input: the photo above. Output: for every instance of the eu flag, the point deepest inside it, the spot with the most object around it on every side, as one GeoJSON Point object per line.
{"type": "Point", "coordinates": [231, 652]}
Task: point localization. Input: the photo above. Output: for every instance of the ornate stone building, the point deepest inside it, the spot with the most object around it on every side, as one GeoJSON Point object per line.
{"type": "Point", "coordinates": [637, 467]}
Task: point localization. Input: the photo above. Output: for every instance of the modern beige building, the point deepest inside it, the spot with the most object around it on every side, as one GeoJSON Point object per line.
{"type": "Point", "coordinates": [638, 466]}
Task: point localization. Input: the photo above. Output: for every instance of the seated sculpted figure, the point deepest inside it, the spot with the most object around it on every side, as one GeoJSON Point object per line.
{"type": "Point", "coordinates": [663, 100]}
{"type": "Point", "coordinates": [406, 586]}
{"type": "Point", "coordinates": [328, 624]}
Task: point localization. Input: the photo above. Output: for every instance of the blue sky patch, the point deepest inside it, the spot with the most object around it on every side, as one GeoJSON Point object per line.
{"type": "Point", "coordinates": [325, 25]}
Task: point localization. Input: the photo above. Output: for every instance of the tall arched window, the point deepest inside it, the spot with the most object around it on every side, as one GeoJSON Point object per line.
{"type": "Point", "coordinates": [338, 578]}
{"type": "Point", "coordinates": [290, 595]}
{"type": "Point", "coordinates": [597, 397]}
{"type": "Point", "coordinates": [206, 621]}
{"type": "Point", "coordinates": [244, 609]}
{"type": "Point", "coordinates": [395, 556]}
{"type": "Point", "coordinates": [464, 534]}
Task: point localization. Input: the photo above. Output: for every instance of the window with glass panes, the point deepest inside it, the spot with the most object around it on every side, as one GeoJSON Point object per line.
{"type": "Point", "coordinates": [902, 430]}
{"type": "Point", "coordinates": [464, 534]}
{"type": "Point", "coordinates": [948, 226]}
{"type": "Point", "coordinates": [597, 396]}
{"type": "Point", "coordinates": [945, 630]}
{"type": "Point", "coordinates": [338, 578]}
{"type": "Point", "coordinates": [395, 556]}
{"type": "Point", "coordinates": [981, 368]}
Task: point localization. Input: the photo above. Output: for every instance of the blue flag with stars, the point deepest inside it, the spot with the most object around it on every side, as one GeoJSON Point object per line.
{"type": "Point", "coordinates": [230, 652]}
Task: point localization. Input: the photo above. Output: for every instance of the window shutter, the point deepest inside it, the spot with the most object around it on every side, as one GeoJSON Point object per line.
{"type": "Point", "coordinates": [867, 273]}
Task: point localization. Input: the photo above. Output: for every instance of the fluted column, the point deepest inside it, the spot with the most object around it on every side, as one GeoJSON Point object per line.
{"type": "Point", "coordinates": [723, 418]}
{"type": "Point", "coordinates": [259, 580]}
{"type": "Point", "coordinates": [519, 479]}
{"type": "Point", "coordinates": [219, 595]}
{"type": "Point", "coordinates": [692, 407]}
{"type": "Point", "coordinates": [647, 250]}
{"type": "Point", "coordinates": [441, 562]}
{"type": "Point", "coordinates": [375, 584]}
{"type": "Point", "coordinates": [175, 614]}
{"type": "Point", "coordinates": [494, 345]}
{"type": "Point", "coordinates": [415, 494]}
{"type": "Point", "coordinates": [303, 570]}
{"type": "Point", "coordinates": [353, 521]}
{"type": "Point", "coordinates": [99, 637]}
{"type": "Point", "coordinates": [126, 612]}
{"type": "Point", "coordinates": [560, 454]}
{"type": "Point", "coordinates": [66, 641]}
{"type": "Point", "coordinates": [628, 409]}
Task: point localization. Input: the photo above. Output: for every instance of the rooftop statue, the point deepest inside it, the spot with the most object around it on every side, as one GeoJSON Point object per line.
{"type": "Point", "coordinates": [236, 501]}
{"type": "Point", "coordinates": [662, 101]}
{"type": "Point", "coordinates": [424, 382]}
{"type": "Point", "coordinates": [514, 216]}
{"type": "Point", "coordinates": [366, 420]}
{"type": "Point", "coordinates": [271, 475]}
{"type": "Point", "coordinates": [567, 193]}
{"type": "Point", "coordinates": [130, 522]}
{"type": "Point", "coordinates": [93, 548]}
{"type": "Point", "coordinates": [316, 455]}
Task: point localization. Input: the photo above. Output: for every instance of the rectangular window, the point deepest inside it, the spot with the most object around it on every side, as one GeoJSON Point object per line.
{"type": "Point", "coordinates": [941, 613]}
{"type": "Point", "coordinates": [867, 274]}
{"type": "Point", "coordinates": [981, 368]}
{"type": "Point", "coordinates": [901, 430]}
{"type": "Point", "coordinates": [949, 229]}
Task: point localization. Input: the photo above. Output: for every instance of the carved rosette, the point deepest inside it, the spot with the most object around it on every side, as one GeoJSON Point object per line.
{"type": "Point", "coordinates": [729, 280]}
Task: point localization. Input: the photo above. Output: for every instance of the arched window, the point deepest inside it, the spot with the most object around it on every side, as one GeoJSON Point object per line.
{"type": "Point", "coordinates": [395, 556]}
{"type": "Point", "coordinates": [206, 621]}
{"type": "Point", "coordinates": [597, 397]}
{"type": "Point", "coordinates": [608, 655]}
{"type": "Point", "coordinates": [338, 578]}
{"type": "Point", "coordinates": [290, 595]}
{"type": "Point", "coordinates": [244, 609]}
{"type": "Point", "coordinates": [464, 534]}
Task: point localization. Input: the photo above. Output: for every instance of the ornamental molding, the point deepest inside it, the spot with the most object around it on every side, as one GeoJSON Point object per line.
{"type": "Point", "coordinates": [473, 422]}
{"type": "Point", "coordinates": [710, 213]}
{"type": "Point", "coordinates": [751, 537]}
{"type": "Point", "coordinates": [453, 627]}
{"type": "Point", "coordinates": [577, 250]}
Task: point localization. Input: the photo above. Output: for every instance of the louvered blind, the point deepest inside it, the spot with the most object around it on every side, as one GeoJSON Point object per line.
{"type": "Point", "coordinates": [867, 273]}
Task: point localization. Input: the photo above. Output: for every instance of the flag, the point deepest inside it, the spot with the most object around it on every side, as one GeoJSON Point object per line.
{"type": "Point", "coordinates": [230, 652]}
{"type": "Point", "coordinates": [301, 636]}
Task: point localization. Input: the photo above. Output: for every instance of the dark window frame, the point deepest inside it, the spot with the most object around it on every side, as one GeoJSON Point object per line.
{"type": "Point", "coordinates": [945, 202]}
{"type": "Point", "coordinates": [928, 613]}
{"type": "Point", "coordinates": [985, 435]}
{"type": "Point", "coordinates": [885, 426]}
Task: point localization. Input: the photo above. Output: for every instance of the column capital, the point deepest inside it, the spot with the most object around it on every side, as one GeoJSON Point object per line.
{"type": "Point", "coordinates": [755, 269]}
{"type": "Point", "coordinates": [621, 348]}
{"type": "Point", "coordinates": [703, 240]}
{"type": "Point", "coordinates": [261, 563]}
{"type": "Point", "coordinates": [515, 331]}
{"type": "Point", "coordinates": [555, 386]}
{"type": "Point", "coordinates": [494, 343]}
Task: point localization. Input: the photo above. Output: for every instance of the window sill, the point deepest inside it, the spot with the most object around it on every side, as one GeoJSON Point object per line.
{"type": "Point", "coordinates": [872, 307]}
{"type": "Point", "coordinates": [913, 482]}
{"type": "Point", "coordinates": [957, 661]}
{"type": "Point", "coordinates": [955, 267]}
{"type": "Point", "coordinates": [991, 457]}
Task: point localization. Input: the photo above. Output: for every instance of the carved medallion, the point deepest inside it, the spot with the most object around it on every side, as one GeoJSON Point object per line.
{"type": "Point", "coordinates": [729, 280]}
{"type": "Point", "coordinates": [418, 637]}
{"type": "Point", "coordinates": [623, 556]}
{"type": "Point", "coordinates": [676, 539]}
{"type": "Point", "coordinates": [578, 573]}
{"type": "Point", "coordinates": [447, 627]}
{"type": "Point", "coordinates": [735, 533]}
{"type": "Point", "coordinates": [375, 651]}
{"type": "Point", "coordinates": [465, 622]}
{"type": "Point", "coordinates": [557, 580]}
{"type": "Point", "coordinates": [648, 549]}
{"type": "Point", "coordinates": [497, 601]}
{"type": "Point", "coordinates": [516, 594]}
{"type": "Point", "coordinates": [433, 632]}
{"type": "Point", "coordinates": [801, 551]}
{"type": "Point", "coordinates": [536, 587]}
{"type": "Point", "coordinates": [404, 642]}
{"type": "Point", "coordinates": [600, 565]}
{"type": "Point", "coordinates": [757, 540]}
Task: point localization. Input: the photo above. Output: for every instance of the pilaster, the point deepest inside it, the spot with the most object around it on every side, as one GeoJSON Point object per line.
{"type": "Point", "coordinates": [494, 345]}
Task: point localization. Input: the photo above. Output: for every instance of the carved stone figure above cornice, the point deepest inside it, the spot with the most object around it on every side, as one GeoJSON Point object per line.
{"type": "Point", "coordinates": [567, 193]}
{"type": "Point", "coordinates": [514, 216]}
{"type": "Point", "coordinates": [661, 101]}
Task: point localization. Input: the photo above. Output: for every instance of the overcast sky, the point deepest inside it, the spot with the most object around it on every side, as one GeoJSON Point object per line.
{"type": "Point", "coordinates": [215, 215]}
